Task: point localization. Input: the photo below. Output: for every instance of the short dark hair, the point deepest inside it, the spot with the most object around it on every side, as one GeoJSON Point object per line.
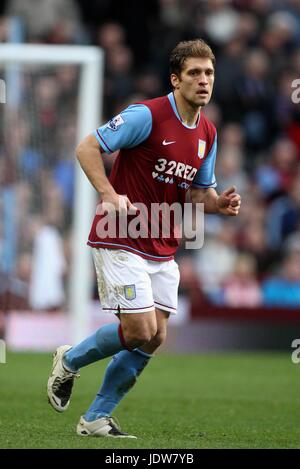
{"type": "Point", "coordinates": [187, 49]}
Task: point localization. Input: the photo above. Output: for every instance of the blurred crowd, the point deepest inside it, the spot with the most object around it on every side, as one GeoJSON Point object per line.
{"type": "Point", "coordinates": [248, 261]}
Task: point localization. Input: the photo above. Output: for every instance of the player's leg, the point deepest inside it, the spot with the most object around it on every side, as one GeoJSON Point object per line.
{"type": "Point", "coordinates": [68, 360]}
{"type": "Point", "coordinates": [165, 292]}
{"type": "Point", "coordinates": [124, 368]}
{"type": "Point", "coordinates": [112, 269]}
{"type": "Point", "coordinates": [161, 334]}
{"type": "Point", "coordinates": [122, 372]}
{"type": "Point", "coordinates": [110, 339]}
{"type": "Point", "coordinates": [121, 375]}
{"type": "Point", "coordinates": [135, 310]}
{"type": "Point", "coordinates": [117, 273]}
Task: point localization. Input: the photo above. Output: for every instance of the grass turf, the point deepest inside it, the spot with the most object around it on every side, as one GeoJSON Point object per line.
{"type": "Point", "coordinates": [245, 400]}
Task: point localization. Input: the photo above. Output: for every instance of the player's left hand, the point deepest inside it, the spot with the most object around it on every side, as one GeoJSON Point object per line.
{"type": "Point", "coordinates": [229, 202]}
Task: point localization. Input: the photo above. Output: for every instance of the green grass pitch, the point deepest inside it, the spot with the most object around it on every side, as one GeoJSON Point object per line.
{"type": "Point", "coordinates": [226, 400]}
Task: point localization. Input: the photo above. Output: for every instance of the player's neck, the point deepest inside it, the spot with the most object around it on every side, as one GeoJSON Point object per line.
{"type": "Point", "coordinates": [188, 113]}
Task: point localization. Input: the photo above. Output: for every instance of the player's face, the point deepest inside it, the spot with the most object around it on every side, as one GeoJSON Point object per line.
{"type": "Point", "coordinates": [196, 81]}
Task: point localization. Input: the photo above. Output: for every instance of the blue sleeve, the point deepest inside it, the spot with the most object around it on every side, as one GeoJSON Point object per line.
{"type": "Point", "coordinates": [205, 177]}
{"type": "Point", "coordinates": [126, 130]}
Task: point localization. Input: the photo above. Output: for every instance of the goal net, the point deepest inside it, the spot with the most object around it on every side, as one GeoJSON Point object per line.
{"type": "Point", "coordinates": [53, 98]}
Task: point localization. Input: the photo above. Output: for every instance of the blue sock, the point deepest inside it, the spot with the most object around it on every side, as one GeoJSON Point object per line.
{"type": "Point", "coordinates": [103, 343]}
{"type": "Point", "coordinates": [121, 374]}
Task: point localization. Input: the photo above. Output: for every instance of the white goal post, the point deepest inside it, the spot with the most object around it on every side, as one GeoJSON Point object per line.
{"type": "Point", "coordinates": [89, 113]}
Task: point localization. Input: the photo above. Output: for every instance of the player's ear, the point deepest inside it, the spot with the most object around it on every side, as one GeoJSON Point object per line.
{"type": "Point", "coordinates": [175, 81]}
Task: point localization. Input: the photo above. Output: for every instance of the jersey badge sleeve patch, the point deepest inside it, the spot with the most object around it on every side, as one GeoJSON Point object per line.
{"type": "Point", "coordinates": [115, 122]}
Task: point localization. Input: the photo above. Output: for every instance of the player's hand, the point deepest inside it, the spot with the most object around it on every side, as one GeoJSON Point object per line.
{"type": "Point", "coordinates": [229, 202]}
{"type": "Point", "coordinates": [114, 203]}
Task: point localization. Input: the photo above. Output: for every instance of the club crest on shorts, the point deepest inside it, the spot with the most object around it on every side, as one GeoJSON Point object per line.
{"type": "Point", "coordinates": [130, 292]}
{"type": "Point", "coordinates": [201, 148]}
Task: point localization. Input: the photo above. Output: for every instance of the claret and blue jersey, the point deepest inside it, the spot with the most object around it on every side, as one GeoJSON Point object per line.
{"type": "Point", "coordinates": [159, 159]}
{"type": "Point", "coordinates": [134, 125]}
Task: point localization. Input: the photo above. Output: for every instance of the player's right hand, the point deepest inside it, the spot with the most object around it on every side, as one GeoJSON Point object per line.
{"type": "Point", "coordinates": [118, 204]}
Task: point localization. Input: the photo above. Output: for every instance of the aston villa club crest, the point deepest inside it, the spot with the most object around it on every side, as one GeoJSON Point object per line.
{"type": "Point", "coordinates": [130, 292]}
{"type": "Point", "coordinates": [201, 148]}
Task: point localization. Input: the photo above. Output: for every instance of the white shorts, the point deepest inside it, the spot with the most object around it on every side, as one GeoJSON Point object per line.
{"type": "Point", "coordinates": [127, 283]}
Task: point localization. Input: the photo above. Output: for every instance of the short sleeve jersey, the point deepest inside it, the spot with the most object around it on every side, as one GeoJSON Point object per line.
{"type": "Point", "coordinates": [159, 159]}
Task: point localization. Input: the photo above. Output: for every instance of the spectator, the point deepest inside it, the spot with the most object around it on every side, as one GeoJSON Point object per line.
{"type": "Point", "coordinates": [230, 171]}
{"type": "Point", "coordinates": [242, 288]}
{"type": "Point", "coordinates": [14, 289]}
{"type": "Point", "coordinates": [284, 289]}
{"type": "Point", "coordinates": [254, 90]}
{"type": "Point", "coordinates": [215, 261]}
{"type": "Point", "coordinates": [47, 20]}
{"type": "Point", "coordinates": [277, 176]}
{"type": "Point", "coordinates": [48, 268]}
{"type": "Point", "coordinates": [111, 35]}
{"type": "Point", "coordinates": [221, 22]}
{"type": "Point", "coordinates": [284, 216]}
{"type": "Point", "coordinates": [119, 83]}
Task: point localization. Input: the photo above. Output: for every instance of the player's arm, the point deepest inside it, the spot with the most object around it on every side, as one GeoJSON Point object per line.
{"type": "Point", "coordinates": [126, 130]}
{"type": "Point", "coordinates": [227, 203]}
{"type": "Point", "coordinates": [89, 155]}
{"type": "Point", "coordinates": [202, 189]}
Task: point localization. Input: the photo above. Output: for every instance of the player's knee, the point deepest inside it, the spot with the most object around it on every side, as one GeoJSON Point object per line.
{"type": "Point", "coordinates": [139, 337]}
{"type": "Point", "coordinates": [159, 338]}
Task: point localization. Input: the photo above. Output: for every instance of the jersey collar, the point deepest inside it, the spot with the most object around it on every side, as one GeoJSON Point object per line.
{"type": "Point", "coordinates": [174, 107]}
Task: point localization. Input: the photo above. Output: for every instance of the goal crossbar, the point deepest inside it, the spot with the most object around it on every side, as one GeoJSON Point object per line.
{"type": "Point", "coordinates": [49, 54]}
